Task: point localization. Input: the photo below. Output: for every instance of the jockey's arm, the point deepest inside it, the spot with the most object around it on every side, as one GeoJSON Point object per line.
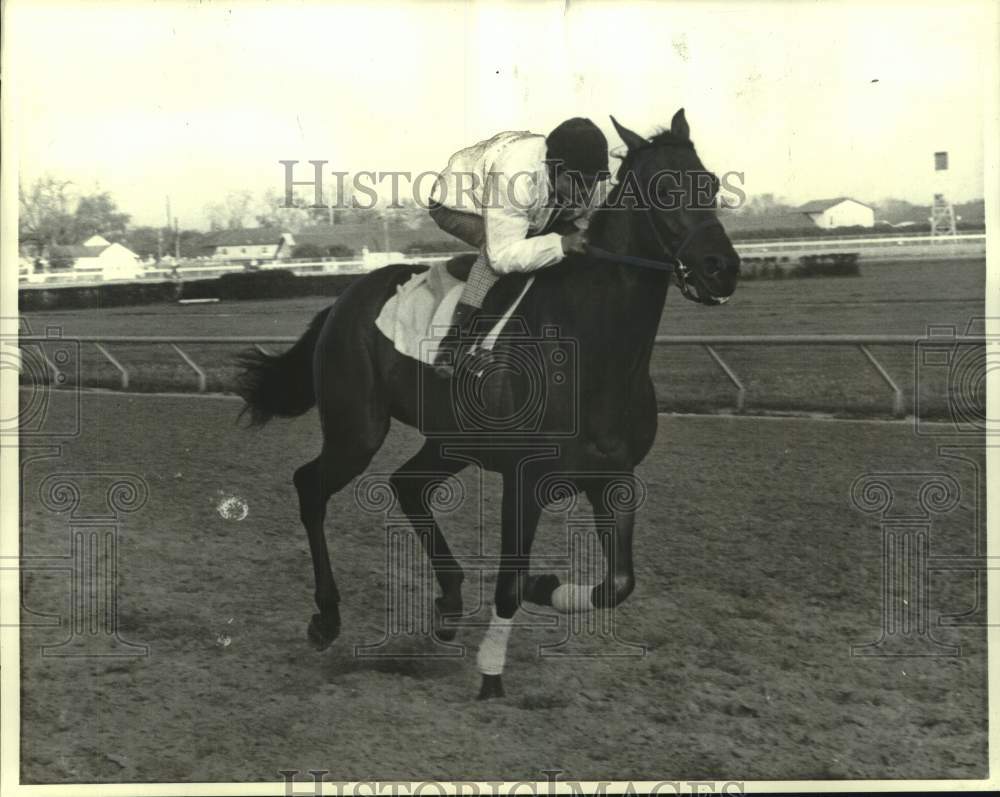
{"type": "Point", "coordinates": [508, 246]}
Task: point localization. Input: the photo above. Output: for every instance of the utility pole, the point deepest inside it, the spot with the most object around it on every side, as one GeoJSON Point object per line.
{"type": "Point", "coordinates": [177, 240]}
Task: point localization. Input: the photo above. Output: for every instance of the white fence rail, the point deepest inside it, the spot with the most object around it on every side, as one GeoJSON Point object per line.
{"type": "Point", "coordinates": [875, 247]}
{"type": "Point", "coordinates": [707, 342]}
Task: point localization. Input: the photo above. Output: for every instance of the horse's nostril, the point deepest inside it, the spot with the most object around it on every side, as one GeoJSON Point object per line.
{"type": "Point", "coordinates": [713, 265]}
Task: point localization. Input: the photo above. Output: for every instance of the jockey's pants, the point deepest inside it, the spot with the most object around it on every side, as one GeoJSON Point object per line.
{"type": "Point", "coordinates": [470, 228]}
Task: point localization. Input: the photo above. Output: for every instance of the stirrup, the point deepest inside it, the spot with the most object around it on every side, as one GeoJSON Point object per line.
{"type": "Point", "coordinates": [462, 353]}
{"type": "Point", "coordinates": [451, 345]}
{"type": "Point", "coordinates": [447, 356]}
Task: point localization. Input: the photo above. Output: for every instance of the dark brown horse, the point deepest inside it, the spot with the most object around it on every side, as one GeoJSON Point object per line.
{"type": "Point", "coordinates": [564, 403]}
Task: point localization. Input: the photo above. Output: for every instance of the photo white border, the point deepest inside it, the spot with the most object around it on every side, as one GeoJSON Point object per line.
{"type": "Point", "coordinates": [9, 509]}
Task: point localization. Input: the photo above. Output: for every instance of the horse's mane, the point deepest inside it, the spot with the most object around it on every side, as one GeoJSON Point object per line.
{"type": "Point", "coordinates": [664, 136]}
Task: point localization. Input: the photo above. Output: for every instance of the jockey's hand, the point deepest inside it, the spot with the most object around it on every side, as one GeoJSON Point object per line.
{"type": "Point", "coordinates": [575, 243]}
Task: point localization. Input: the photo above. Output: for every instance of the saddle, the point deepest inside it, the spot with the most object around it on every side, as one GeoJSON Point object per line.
{"type": "Point", "coordinates": [419, 315]}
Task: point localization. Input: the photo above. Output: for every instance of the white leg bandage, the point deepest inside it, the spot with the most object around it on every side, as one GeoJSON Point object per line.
{"type": "Point", "coordinates": [569, 598]}
{"type": "Point", "coordinates": [493, 648]}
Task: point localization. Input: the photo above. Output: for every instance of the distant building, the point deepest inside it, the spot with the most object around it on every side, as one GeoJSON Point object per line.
{"type": "Point", "coordinates": [337, 240]}
{"type": "Point", "coordinates": [330, 240]}
{"type": "Point", "coordinates": [841, 211]}
{"type": "Point", "coordinates": [245, 246]}
{"type": "Point", "coordinates": [100, 258]}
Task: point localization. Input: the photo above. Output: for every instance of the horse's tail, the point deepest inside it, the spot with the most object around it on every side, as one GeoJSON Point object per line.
{"type": "Point", "coordinates": [280, 384]}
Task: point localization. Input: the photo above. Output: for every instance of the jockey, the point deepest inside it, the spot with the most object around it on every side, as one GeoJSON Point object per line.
{"type": "Point", "coordinates": [504, 195]}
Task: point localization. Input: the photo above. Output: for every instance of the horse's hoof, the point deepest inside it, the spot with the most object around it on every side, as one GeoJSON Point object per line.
{"type": "Point", "coordinates": [323, 631]}
{"type": "Point", "coordinates": [442, 629]}
{"type": "Point", "coordinates": [492, 687]}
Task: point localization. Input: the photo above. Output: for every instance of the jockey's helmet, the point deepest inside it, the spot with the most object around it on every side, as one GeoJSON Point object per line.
{"type": "Point", "coordinates": [580, 146]}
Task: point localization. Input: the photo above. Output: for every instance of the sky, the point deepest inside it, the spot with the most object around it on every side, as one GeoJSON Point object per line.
{"type": "Point", "coordinates": [191, 100]}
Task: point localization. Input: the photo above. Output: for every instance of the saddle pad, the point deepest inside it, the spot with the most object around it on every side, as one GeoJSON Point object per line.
{"type": "Point", "coordinates": [418, 316]}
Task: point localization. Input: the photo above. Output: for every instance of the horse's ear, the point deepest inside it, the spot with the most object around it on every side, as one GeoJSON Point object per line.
{"type": "Point", "coordinates": [632, 140]}
{"type": "Point", "coordinates": [679, 126]}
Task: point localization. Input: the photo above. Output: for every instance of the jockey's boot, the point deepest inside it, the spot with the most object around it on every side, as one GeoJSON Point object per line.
{"type": "Point", "coordinates": [451, 345]}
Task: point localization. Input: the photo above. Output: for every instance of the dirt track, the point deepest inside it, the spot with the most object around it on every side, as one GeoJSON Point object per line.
{"type": "Point", "coordinates": [755, 575]}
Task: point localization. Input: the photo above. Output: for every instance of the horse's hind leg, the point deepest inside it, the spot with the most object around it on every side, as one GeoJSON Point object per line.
{"type": "Point", "coordinates": [414, 483]}
{"type": "Point", "coordinates": [344, 456]}
{"type": "Point", "coordinates": [614, 502]}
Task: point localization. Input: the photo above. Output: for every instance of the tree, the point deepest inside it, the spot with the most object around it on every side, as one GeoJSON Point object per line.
{"type": "Point", "coordinates": [150, 241]}
{"type": "Point", "coordinates": [896, 211]}
{"type": "Point", "coordinates": [766, 205]}
{"type": "Point", "coordinates": [44, 217]}
{"type": "Point", "coordinates": [271, 212]}
{"type": "Point", "coordinates": [308, 252]}
{"type": "Point", "coordinates": [311, 251]}
{"type": "Point", "coordinates": [99, 215]}
{"type": "Point", "coordinates": [409, 214]}
{"type": "Point", "coordinates": [192, 243]}
{"type": "Point", "coordinates": [60, 260]}
{"type": "Point", "coordinates": [232, 213]}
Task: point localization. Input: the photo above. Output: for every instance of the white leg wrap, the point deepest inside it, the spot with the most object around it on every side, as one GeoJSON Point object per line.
{"type": "Point", "coordinates": [569, 598]}
{"type": "Point", "coordinates": [493, 649]}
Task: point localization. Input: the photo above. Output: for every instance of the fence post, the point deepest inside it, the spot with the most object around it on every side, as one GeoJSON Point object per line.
{"type": "Point", "coordinates": [194, 367]}
{"type": "Point", "coordinates": [897, 394]}
{"type": "Point", "coordinates": [741, 392]}
{"type": "Point", "coordinates": [111, 359]}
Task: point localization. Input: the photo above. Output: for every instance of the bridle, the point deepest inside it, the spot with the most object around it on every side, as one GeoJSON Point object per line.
{"type": "Point", "coordinates": [674, 265]}
{"type": "Point", "coordinates": [681, 271]}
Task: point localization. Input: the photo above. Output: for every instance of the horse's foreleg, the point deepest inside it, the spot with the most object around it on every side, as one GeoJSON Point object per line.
{"type": "Point", "coordinates": [519, 520]}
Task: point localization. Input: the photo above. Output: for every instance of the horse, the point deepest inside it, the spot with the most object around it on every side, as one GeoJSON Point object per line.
{"type": "Point", "coordinates": [585, 434]}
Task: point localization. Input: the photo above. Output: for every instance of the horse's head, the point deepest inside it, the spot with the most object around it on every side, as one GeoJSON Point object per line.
{"type": "Point", "coordinates": [664, 179]}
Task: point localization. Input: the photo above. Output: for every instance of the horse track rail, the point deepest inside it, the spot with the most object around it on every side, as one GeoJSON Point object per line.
{"type": "Point", "coordinates": [708, 343]}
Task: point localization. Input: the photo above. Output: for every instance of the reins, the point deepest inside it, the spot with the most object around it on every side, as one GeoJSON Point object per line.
{"type": "Point", "coordinates": [613, 257]}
